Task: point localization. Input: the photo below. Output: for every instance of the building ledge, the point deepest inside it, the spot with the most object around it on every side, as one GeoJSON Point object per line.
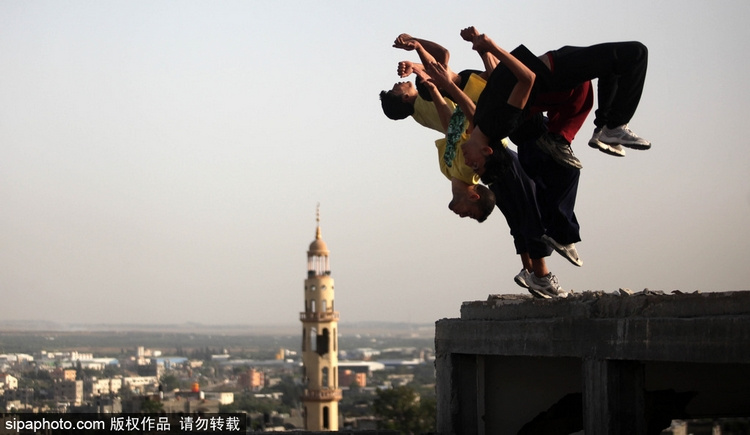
{"type": "Point", "coordinates": [695, 327]}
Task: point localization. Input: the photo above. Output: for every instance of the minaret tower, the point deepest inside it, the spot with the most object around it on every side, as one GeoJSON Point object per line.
{"type": "Point", "coordinates": [320, 341]}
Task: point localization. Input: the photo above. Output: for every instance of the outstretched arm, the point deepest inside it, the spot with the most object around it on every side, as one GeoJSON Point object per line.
{"type": "Point", "coordinates": [519, 96]}
{"type": "Point", "coordinates": [441, 77]}
{"type": "Point", "coordinates": [435, 51]}
{"type": "Point", "coordinates": [406, 68]}
{"type": "Point", "coordinates": [489, 61]}
{"type": "Point", "coordinates": [443, 109]}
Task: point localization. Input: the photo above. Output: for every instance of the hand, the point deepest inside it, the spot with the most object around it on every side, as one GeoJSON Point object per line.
{"type": "Point", "coordinates": [439, 73]}
{"type": "Point", "coordinates": [469, 33]}
{"type": "Point", "coordinates": [405, 42]}
{"type": "Point", "coordinates": [482, 43]}
{"type": "Point", "coordinates": [405, 68]}
{"type": "Point", "coordinates": [429, 84]}
{"type": "Point", "coordinates": [423, 76]}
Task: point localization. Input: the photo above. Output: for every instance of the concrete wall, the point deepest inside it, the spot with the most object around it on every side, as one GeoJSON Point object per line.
{"type": "Point", "coordinates": [601, 362]}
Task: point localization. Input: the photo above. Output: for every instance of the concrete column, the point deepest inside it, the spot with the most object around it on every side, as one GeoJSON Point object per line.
{"type": "Point", "coordinates": [613, 397]}
{"type": "Point", "coordinates": [443, 392]}
{"type": "Point", "coordinates": [458, 404]}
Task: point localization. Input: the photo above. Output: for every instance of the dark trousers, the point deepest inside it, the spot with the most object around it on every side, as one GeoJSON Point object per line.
{"type": "Point", "coordinates": [566, 110]}
{"type": "Point", "coordinates": [516, 198]}
{"type": "Point", "coordinates": [556, 189]}
{"type": "Point", "coordinates": [620, 68]}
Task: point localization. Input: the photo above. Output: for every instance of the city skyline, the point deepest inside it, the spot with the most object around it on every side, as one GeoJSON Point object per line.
{"type": "Point", "coordinates": [162, 163]}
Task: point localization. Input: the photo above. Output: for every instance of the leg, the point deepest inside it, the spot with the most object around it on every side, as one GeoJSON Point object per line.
{"type": "Point", "coordinates": [557, 188]}
{"type": "Point", "coordinates": [516, 198]}
{"type": "Point", "coordinates": [566, 110]}
{"type": "Point", "coordinates": [620, 68]}
{"type": "Point", "coordinates": [566, 113]}
{"type": "Point", "coordinates": [522, 278]}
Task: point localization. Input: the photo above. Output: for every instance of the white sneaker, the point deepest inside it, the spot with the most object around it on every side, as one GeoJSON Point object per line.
{"type": "Point", "coordinates": [568, 251]}
{"type": "Point", "coordinates": [622, 135]}
{"type": "Point", "coordinates": [612, 150]}
{"type": "Point", "coordinates": [546, 286]}
{"type": "Point", "coordinates": [522, 279]}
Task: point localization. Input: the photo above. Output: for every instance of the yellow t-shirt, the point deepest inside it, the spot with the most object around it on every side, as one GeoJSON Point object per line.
{"type": "Point", "coordinates": [458, 169]}
{"type": "Point", "coordinates": [474, 87]}
{"type": "Point", "coordinates": [426, 113]}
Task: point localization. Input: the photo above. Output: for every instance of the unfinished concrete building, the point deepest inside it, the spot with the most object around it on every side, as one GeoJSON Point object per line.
{"type": "Point", "coordinates": [594, 362]}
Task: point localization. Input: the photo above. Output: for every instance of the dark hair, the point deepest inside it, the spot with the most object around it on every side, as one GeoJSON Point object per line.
{"type": "Point", "coordinates": [486, 202]}
{"type": "Point", "coordinates": [495, 164]}
{"type": "Point", "coordinates": [394, 106]}
{"type": "Point", "coordinates": [423, 91]}
{"type": "Point", "coordinates": [463, 76]}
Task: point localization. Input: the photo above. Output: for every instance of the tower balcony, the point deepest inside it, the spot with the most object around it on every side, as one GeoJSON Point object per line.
{"type": "Point", "coordinates": [324, 316]}
{"type": "Point", "coordinates": [324, 395]}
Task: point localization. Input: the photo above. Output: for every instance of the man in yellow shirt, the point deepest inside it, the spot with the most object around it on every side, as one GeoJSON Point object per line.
{"type": "Point", "coordinates": [471, 199]}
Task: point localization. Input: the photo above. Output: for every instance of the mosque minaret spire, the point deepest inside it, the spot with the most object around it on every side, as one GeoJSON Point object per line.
{"type": "Point", "coordinates": [320, 339]}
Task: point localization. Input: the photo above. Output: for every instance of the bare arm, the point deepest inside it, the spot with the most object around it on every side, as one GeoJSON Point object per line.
{"type": "Point", "coordinates": [436, 52]}
{"type": "Point", "coordinates": [406, 68]}
{"type": "Point", "coordinates": [519, 96]}
{"type": "Point", "coordinates": [443, 109]}
{"type": "Point", "coordinates": [440, 76]}
{"type": "Point", "coordinates": [489, 61]}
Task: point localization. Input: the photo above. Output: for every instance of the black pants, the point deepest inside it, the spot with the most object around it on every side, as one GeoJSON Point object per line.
{"type": "Point", "coordinates": [516, 198]}
{"type": "Point", "coordinates": [556, 191]}
{"type": "Point", "coordinates": [620, 68]}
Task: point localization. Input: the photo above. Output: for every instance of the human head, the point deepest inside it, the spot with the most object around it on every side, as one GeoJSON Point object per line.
{"type": "Point", "coordinates": [477, 203]}
{"type": "Point", "coordinates": [476, 150]}
{"type": "Point", "coordinates": [495, 165]}
{"type": "Point", "coordinates": [398, 103]}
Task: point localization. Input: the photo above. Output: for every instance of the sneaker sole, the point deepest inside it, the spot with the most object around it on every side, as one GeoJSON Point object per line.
{"type": "Point", "coordinates": [539, 295]}
{"type": "Point", "coordinates": [552, 244]}
{"type": "Point", "coordinates": [634, 146]}
{"type": "Point", "coordinates": [544, 295]}
{"type": "Point", "coordinates": [606, 149]}
{"type": "Point", "coordinates": [520, 282]}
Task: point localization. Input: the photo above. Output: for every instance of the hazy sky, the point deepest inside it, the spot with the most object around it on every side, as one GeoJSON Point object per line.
{"type": "Point", "coordinates": [162, 161]}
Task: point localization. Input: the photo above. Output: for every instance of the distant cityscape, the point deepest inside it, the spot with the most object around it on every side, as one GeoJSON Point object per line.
{"type": "Point", "coordinates": [311, 377]}
{"type": "Point", "coordinates": [182, 372]}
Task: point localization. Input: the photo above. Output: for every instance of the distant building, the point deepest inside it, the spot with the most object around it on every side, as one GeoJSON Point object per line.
{"type": "Point", "coordinates": [252, 379]}
{"type": "Point", "coordinates": [61, 374]}
{"type": "Point", "coordinates": [8, 382]}
{"type": "Point", "coordinates": [320, 341]}
{"type": "Point", "coordinates": [348, 377]}
{"type": "Point", "coordinates": [15, 358]}
{"type": "Point", "coordinates": [400, 380]}
{"type": "Point", "coordinates": [69, 391]}
{"type": "Point", "coordinates": [223, 397]}
{"type": "Point", "coordinates": [141, 384]}
{"type": "Point", "coordinates": [99, 405]}
{"type": "Point", "coordinates": [196, 400]}
{"type": "Point", "coordinates": [94, 387]}
{"type": "Point", "coordinates": [189, 405]}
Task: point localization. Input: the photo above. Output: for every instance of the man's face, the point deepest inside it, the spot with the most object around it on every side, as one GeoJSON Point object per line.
{"type": "Point", "coordinates": [402, 88]}
{"type": "Point", "coordinates": [465, 208]}
{"type": "Point", "coordinates": [474, 154]}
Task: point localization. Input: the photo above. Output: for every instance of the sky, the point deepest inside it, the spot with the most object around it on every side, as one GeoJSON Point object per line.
{"type": "Point", "coordinates": [162, 162]}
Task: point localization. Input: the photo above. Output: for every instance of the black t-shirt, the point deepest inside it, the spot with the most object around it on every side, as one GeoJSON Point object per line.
{"type": "Point", "coordinates": [494, 116]}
